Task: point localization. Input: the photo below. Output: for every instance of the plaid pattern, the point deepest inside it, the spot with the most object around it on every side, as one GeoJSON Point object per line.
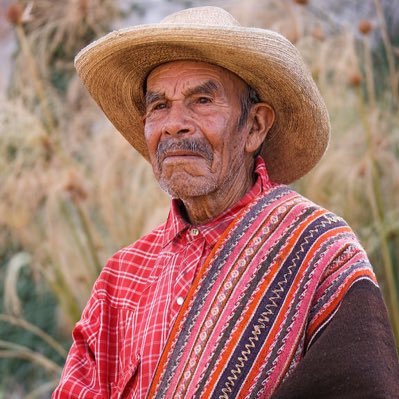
{"type": "Point", "coordinates": [124, 327]}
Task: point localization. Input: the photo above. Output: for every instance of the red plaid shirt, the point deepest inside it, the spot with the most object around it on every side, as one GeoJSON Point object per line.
{"type": "Point", "coordinates": [124, 327]}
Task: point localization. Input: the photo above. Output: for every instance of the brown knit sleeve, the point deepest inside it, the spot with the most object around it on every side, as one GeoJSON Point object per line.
{"type": "Point", "coordinates": [353, 357]}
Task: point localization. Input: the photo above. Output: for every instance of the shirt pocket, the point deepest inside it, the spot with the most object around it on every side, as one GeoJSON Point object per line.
{"type": "Point", "coordinates": [122, 388]}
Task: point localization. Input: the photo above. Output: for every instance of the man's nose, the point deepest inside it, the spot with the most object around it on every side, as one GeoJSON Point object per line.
{"type": "Point", "coordinates": [178, 120]}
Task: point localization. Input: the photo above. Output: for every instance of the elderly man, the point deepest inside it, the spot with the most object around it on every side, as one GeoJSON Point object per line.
{"type": "Point", "coordinates": [248, 289]}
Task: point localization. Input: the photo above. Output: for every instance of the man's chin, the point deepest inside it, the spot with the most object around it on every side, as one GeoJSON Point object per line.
{"type": "Point", "coordinates": [186, 188]}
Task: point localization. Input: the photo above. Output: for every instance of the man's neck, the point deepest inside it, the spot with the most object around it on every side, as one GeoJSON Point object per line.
{"type": "Point", "coordinates": [199, 210]}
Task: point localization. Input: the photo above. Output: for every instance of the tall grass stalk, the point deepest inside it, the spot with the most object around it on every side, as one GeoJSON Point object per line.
{"type": "Point", "coordinates": [37, 83]}
{"type": "Point", "coordinates": [393, 73]}
{"type": "Point", "coordinates": [82, 235]}
{"type": "Point", "coordinates": [12, 304]}
{"type": "Point", "coordinates": [43, 390]}
{"type": "Point", "coordinates": [97, 264]}
{"type": "Point", "coordinates": [378, 212]}
{"type": "Point", "coordinates": [369, 72]}
{"type": "Point", "coordinates": [369, 116]}
{"type": "Point", "coordinates": [22, 323]}
{"type": "Point", "coordinates": [11, 350]}
{"type": "Point", "coordinates": [63, 291]}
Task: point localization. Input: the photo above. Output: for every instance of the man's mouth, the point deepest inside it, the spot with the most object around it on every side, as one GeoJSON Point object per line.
{"type": "Point", "coordinates": [180, 154]}
{"type": "Point", "coordinates": [174, 150]}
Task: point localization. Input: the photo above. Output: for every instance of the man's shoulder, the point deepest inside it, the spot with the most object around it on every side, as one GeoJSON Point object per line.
{"type": "Point", "coordinates": [296, 211]}
{"type": "Point", "coordinates": [285, 196]}
{"type": "Point", "coordinates": [140, 253]}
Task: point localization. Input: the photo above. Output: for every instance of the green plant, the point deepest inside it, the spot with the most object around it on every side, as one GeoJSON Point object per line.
{"type": "Point", "coordinates": [28, 326]}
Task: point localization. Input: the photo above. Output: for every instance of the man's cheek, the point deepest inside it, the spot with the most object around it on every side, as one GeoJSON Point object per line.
{"type": "Point", "coordinates": [152, 143]}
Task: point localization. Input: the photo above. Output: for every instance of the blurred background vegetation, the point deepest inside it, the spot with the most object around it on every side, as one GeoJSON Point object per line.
{"type": "Point", "coordinates": [72, 191]}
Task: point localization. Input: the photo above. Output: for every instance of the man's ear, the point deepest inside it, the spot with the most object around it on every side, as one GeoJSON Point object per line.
{"type": "Point", "coordinates": [261, 119]}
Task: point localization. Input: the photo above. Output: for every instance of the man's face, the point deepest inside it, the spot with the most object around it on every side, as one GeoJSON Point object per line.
{"type": "Point", "coordinates": [194, 143]}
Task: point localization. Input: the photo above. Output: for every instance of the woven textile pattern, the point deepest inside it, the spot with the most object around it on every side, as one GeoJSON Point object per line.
{"type": "Point", "coordinates": [272, 282]}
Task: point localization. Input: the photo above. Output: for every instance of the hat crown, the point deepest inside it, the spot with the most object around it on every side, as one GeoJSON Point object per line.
{"type": "Point", "coordinates": [201, 16]}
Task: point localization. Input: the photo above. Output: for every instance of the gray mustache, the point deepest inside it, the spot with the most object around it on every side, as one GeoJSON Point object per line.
{"type": "Point", "coordinates": [196, 146]}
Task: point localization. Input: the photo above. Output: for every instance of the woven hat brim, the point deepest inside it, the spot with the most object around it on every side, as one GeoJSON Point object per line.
{"type": "Point", "coordinates": [115, 67]}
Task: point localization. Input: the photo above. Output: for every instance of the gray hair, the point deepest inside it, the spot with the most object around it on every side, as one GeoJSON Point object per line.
{"type": "Point", "coordinates": [248, 98]}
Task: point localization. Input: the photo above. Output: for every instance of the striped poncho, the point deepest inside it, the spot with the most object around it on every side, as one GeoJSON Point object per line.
{"type": "Point", "coordinates": [272, 282]}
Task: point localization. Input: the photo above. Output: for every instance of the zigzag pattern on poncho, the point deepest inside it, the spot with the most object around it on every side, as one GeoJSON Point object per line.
{"type": "Point", "coordinates": [273, 281]}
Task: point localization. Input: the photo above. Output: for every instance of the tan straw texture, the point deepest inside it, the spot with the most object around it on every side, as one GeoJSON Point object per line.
{"type": "Point", "coordinates": [114, 69]}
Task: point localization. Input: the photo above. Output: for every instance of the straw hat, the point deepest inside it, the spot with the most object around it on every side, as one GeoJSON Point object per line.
{"type": "Point", "coordinates": [114, 70]}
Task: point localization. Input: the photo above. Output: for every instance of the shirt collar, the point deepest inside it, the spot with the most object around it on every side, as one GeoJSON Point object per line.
{"type": "Point", "coordinates": [176, 224]}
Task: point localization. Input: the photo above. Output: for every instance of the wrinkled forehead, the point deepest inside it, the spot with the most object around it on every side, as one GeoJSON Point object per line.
{"type": "Point", "coordinates": [193, 70]}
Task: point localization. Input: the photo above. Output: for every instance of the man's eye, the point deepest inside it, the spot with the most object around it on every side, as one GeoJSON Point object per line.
{"type": "Point", "coordinates": [203, 100]}
{"type": "Point", "coordinates": [153, 109]}
{"type": "Point", "coordinates": [158, 106]}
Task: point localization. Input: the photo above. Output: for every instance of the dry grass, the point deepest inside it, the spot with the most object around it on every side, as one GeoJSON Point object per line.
{"type": "Point", "coordinates": [72, 191]}
{"type": "Point", "coordinates": [71, 210]}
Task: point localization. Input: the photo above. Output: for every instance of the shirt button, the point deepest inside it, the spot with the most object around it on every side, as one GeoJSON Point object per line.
{"type": "Point", "coordinates": [194, 232]}
{"type": "Point", "coordinates": [180, 300]}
